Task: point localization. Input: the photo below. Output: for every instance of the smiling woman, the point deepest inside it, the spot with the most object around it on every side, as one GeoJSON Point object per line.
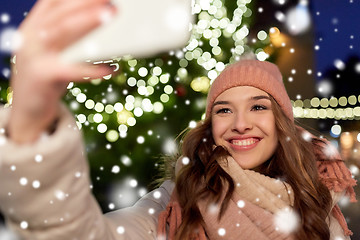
{"type": "Point", "coordinates": [244, 124]}
{"type": "Point", "coordinates": [253, 173]}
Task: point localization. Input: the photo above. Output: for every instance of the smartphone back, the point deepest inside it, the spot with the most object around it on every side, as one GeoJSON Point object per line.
{"type": "Point", "coordinates": [141, 28]}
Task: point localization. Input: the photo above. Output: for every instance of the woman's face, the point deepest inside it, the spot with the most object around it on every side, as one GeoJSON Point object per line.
{"type": "Point", "coordinates": [243, 122]}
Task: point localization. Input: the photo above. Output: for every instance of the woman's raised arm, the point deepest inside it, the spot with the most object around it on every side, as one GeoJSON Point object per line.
{"type": "Point", "coordinates": [44, 182]}
{"type": "Point", "coordinates": [39, 77]}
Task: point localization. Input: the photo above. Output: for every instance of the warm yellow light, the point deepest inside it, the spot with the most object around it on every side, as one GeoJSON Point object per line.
{"type": "Point", "coordinates": [123, 116]}
{"type": "Point", "coordinates": [324, 102]}
{"type": "Point", "coordinates": [112, 135]}
{"type": "Point", "coordinates": [352, 100]}
{"type": "Point", "coordinates": [269, 50]}
{"type": "Point", "coordinates": [315, 102]}
{"type": "Point", "coordinates": [333, 102]}
{"type": "Point", "coordinates": [298, 112]}
{"type": "Point", "coordinates": [330, 113]}
{"type": "Point", "coordinates": [10, 97]}
{"type": "Point", "coordinates": [346, 140]}
{"type": "Point", "coordinates": [357, 112]}
{"type": "Point", "coordinates": [299, 103]}
{"type": "Point", "coordinates": [200, 84]}
{"type": "Point", "coordinates": [276, 37]}
{"type": "Point", "coordinates": [342, 101]}
{"type": "Point", "coordinates": [322, 113]}
{"type": "Point", "coordinates": [274, 32]}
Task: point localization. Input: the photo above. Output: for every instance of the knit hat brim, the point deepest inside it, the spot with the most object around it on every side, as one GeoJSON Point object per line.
{"type": "Point", "coordinates": [260, 74]}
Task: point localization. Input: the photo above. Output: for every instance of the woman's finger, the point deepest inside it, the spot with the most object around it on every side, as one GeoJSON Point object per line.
{"type": "Point", "coordinates": [82, 72]}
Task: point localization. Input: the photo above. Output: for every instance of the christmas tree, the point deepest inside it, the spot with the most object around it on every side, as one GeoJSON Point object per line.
{"type": "Point", "coordinates": [131, 119]}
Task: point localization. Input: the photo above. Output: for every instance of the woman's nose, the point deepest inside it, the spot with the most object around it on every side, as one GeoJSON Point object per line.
{"type": "Point", "coordinates": [242, 123]}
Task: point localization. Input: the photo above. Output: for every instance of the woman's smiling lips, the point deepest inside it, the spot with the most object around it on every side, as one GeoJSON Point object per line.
{"type": "Point", "coordinates": [244, 143]}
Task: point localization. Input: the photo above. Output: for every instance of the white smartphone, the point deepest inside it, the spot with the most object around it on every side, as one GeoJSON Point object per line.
{"type": "Point", "coordinates": [141, 28]}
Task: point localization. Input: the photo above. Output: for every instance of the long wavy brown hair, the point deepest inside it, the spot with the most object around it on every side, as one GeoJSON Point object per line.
{"type": "Point", "coordinates": [293, 161]}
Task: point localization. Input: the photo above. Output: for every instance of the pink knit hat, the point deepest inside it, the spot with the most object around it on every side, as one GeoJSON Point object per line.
{"type": "Point", "coordinates": [260, 74]}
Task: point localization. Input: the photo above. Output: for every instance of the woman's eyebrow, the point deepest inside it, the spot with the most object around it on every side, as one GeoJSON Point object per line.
{"type": "Point", "coordinates": [220, 103]}
{"type": "Point", "coordinates": [259, 97]}
{"type": "Point", "coordinates": [253, 98]}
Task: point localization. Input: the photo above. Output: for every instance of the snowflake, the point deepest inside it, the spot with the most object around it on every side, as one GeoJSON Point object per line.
{"type": "Point", "coordinates": [24, 225]}
{"type": "Point", "coordinates": [38, 158]}
{"type": "Point", "coordinates": [286, 220]}
{"type": "Point", "coordinates": [23, 181]}
{"type": "Point", "coordinates": [214, 208]}
{"type": "Point", "coordinates": [185, 160]}
{"type": "Point", "coordinates": [36, 184]}
{"type": "Point", "coordinates": [120, 230]}
{"type": "Point", "coordinates": [115, 169]}
{"type": "Point", "coordinates": [306, 136]}
{"type": "Point", "coordinates": [60, 195]}
{"type": "Point", "coordinates": [221, 232]}
{"type": "Point", "coordinates": [6, 234]}
{"type": "Point", "coordinates": [241, 204]}
{"type": "Point", "coordinates": [329, 151]}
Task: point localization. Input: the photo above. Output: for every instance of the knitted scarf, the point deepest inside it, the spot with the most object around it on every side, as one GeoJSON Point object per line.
{"type": "Point", "coordinates": [257, 199]}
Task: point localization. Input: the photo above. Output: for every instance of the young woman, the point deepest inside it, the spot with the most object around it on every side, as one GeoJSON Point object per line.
{"type": "Point", "coordinates": [248, 164]}
{"type": "Point", "coordinates": [241, 169]}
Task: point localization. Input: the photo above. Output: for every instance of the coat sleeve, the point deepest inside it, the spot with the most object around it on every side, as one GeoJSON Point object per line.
{"type": "Point", "coordinates": [45, 191]}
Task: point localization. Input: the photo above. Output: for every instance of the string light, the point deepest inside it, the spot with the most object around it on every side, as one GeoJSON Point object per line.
{"type": "Point", "coordinates": [315, 108]}
{"type": "Point", "coordinates": [329, 113]}
{"type": "Point", "coordinates": [325, 108]}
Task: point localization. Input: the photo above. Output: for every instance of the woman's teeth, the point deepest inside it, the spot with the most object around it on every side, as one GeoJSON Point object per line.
{"type": "Point", "coordinates": [245, 142]}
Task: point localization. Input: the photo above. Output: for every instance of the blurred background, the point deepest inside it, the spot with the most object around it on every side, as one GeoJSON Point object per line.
{"type": "Point", "coordinates": [132, 119]}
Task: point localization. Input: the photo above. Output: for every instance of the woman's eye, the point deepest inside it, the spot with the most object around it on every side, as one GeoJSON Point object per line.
{"type": "Point", "coordinates": [259, 107]}
{"type": "Point", "coordinates": [223, 110]}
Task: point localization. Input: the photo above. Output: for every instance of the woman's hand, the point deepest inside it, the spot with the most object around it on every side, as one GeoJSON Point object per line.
{"type": "Point", "coordinates": [39, 77]}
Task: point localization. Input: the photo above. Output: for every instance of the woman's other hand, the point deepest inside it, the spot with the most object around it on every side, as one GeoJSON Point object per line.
{"type": "Point", "coordinates": [39, 77]}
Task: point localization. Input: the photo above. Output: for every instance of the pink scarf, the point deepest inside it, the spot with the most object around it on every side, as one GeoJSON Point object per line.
{"type": "Point", "coordinates": [252, 207]}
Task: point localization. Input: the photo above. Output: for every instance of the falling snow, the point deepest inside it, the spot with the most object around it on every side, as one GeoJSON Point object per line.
{"type": "Point", "coordinates": [213, 209]}
{"type": "Point", "coordinates": [157, 194]}
{"type": "Point", "coordinates": [298, 19]}
{"type": "Point", "coordinates": [325, 88]}
{"type": "Point", "coordinates": [344, 201]}
{"type": "Point", "coordinates": [36, 184]}
{"type": "Point", "coordinates": [23, 181]}
{"type": "Point", "coordinates": [169, 146]}
{"type": "Point", "coordinates": [339, 64]}
{"type": "Point", "coordinates": [185, 160]}
{"type": "Point", "coordinates": [10, 40]}
{"type": "Point", "coordinates": [24, 225]}
{"type": "Point", "coordinates": [115, 169]}
{"type": "Point", "coordinates": [306, 136]}
{"type": "Point", "coordinates": [127, 192]}
{"type": "Point", "coordinates": [221, 232]}
{"type": "Point", "coordinates": [286, 220]}
{"type": "Point", "coordinates": [151, 211]}
{"type": "Point", "coordinates": [241, 204]}
{"type": "Point", "coordinates": [38, 158]}
{"type": "Point", "coordinates": [60, 195]}
{"type": "Point", "coordinates": [354, 169]}
{"type": "Point", "coordinates": [6, 234]}
{"type": "Point", "coordinates": [120, 230]}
